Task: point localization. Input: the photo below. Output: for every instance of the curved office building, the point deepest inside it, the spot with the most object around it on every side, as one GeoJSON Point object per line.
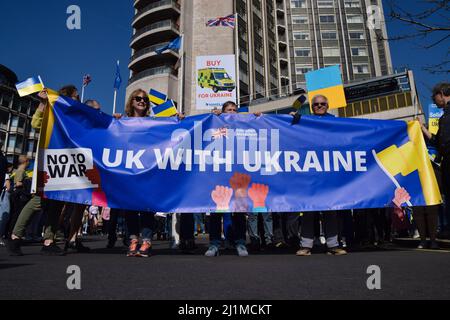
{"type": "Point", "coordinates": [155, 24]}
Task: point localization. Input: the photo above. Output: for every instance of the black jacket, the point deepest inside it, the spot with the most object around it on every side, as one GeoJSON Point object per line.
{"type": "Point", "coordinates": [442, 138]}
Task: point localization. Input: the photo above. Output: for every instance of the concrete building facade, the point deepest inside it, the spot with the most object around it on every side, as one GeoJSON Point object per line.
{"type": "Point", "coordinates": [278, 42]}
{"type": "Point", "coordinates": [17, 137]}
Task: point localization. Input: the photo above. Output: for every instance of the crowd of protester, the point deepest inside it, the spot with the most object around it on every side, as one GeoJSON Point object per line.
{"type": "Point", "coordinates": [28, 217]}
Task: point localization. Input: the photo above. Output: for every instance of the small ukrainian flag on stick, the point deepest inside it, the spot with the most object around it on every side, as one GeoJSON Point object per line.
{"type": "Point", "coordinates": [167, 109]}
{"type": "Point", "coordinates": [30, 86]}
{"type": "Point", "coordinates": [157, 97]}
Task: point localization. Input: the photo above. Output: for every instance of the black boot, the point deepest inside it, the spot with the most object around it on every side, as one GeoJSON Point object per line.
{"type": "Point", "coordinates": [76, 246]}
{"type": "Point", "coordinates": [13, 247]}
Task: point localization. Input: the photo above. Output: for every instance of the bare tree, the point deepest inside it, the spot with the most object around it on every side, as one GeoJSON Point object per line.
{"type": "Point", "coordinates": [431, 27]}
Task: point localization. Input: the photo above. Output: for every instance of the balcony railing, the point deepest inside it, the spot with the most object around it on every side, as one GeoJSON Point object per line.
{"type": "Point", "coordinates": [152, 72]}
{"type": "Point", "coordinates": [147, 50]}
{"type": "Point", "coordinates": [154, 5]}
{"type": "Point", "coordinates": [154, 26]}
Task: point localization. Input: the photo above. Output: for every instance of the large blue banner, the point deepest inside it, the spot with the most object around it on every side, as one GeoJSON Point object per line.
{"type": "Point", "coordinates": [232, 162]}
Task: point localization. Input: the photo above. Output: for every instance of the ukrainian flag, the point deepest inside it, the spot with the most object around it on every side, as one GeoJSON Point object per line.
{"type": "Point", "coordinates": [29, 86]}
{"type": "Point", "coordinates": [157, 97]}
{"type": "Point", "coordinates": [327, 82]}
{"type": "Point", "coordinates": [167, 109]}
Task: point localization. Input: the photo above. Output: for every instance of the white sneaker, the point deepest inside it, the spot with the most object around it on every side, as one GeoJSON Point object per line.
{"type": "Point", "coordinates": [241, 250]}
{"type": "Point", "coordinates": [213, 251]}
{"type": "Point", "coordinates": [323, 240]}
{"type": "Point", "coordinates": [416, 234]}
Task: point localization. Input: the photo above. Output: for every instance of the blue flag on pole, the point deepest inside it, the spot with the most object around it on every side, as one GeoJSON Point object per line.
{"type": "Point", "coordinates": [118, 80]}
{"type": "Point", "coordinates": [174, 45]}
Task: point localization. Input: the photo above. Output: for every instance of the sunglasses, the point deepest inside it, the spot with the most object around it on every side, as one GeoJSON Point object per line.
{"type": "Point", "coordinates": [320, 104]}
{"type": "Point", "coordinates": [139, 99]}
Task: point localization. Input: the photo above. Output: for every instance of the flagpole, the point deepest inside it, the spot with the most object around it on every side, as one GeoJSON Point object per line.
{"type": "Point", "coordinates": [236, 52]}
{"type": "Point", "coordinates": [40, 80]}
{"type": "Point", "coordinates": [181, 77]}
{"type": "Point", "coordinates": [116, 86]}
{"type": "Point", "coordinates": [82, 93]}
{"type": "Point", "coordinates": [115, 98]}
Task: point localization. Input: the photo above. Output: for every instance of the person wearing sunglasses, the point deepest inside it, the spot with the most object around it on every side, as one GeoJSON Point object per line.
{"type": "Point", "coordinates": [320, 107]}
{"type": "Point", "coordinates": [138, 106]}
{"type": "Point", "coordinates": [440, 140]}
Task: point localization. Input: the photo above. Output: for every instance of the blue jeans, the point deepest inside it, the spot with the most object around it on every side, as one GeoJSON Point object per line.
{"type": "Point", "coordinates": [227, 230]}
{"type": "Point", "coordinates": [253, 227]}
{"type": "Point", "coordinates": [140, 221]}
{"type": "Point", "coordinates": [238, 228]}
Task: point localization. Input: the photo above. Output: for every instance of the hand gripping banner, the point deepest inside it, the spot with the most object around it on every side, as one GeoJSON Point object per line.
{"type": "Point", "coordinates": [232, 162]}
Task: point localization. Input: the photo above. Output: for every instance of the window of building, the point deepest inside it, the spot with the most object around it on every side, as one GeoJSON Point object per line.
{"type": "Point", "coordinates": [325, 4]}
{"type": "Point", "coordinates": [24, 106]}
{"type": "Point", "coordinates": [301, 35]}
{"type": "Point", "coordinates": [19, 142]}
{"type": "Point", "coordinates": [303, 52]}
{"type": "Point", "coordinates": [329, 35]}
{"type": "Point", "coordinates": [30, 147]}
{"type": "Point", "coordinates": [352, 3]}
{"type": "Point", "coordinates": [16, 104]}
{"type": "Point", "coordinates": [298, 3]}
{"type": "Point", "coordinates": [4, 115]}
{"type": "Point", "coordinates": [301, 19]}
{"type": "Point", "coordinates": [359, 52]}
{"type": "Point", "coordinates": [14, 122]}
{"type": "Point", "coordinates": [354, 18]}
{"type": "Point", "coordinates": [331, 52]}
{"type": "Point", "coordinates": [6, 100]}
{"type": "Point", "coordinates": [326, 19]}
{"type": "Point", "coordinates": [11, 141]}
{"type": "Point", "coordinates": [359, 35]}
{"type": "Point", "coordinates": [360, 68]}
{"type": "Point", "coordinates": [302, 69]}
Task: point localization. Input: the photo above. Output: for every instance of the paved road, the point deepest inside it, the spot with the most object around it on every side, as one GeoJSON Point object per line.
{"type": "Point", "coordinates": [109, 274]}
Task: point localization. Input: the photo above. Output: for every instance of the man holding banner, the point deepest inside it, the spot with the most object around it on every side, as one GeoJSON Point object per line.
{"type": "Point", "coordinates": [319, 104]}
{"type": "Point", "coordinates": [441, 140]}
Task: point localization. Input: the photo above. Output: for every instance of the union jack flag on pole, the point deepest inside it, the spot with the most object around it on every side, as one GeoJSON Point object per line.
{"type": "Point", "coordinates": [86, 80]}
{"type": "Point", "coordinates": [228, 21]}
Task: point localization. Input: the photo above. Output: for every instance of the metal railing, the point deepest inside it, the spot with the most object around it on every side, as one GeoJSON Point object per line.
{"type": "Point", "coordinates": [154, 5]}
{"type": "Point", "coordinates": [152, 72]}
{"type": "Point", "coordinates": [154, 26]}
{"type": "Point", "coordinates": [146, 50]}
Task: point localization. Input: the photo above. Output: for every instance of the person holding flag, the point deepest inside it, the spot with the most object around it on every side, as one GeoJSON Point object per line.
{"type": "Point", "coordinates": [117, 83]}
{"type": "Point", "coordinates": [86, 80]}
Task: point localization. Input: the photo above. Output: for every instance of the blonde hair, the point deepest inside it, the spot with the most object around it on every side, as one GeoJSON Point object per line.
{"type": "Point", "coordinates": [129, 105]}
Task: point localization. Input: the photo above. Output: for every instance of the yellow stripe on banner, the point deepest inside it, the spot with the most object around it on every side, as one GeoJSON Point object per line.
{"type": "Point", "coordinates": [335, 95]}
{"type": "Point", "coordinates": [167, 113]}
{"type": "Point", "coordinates": [30, 90]}
{"type": "Point", "coordinates": [48, 120]}
{"type": "Point", "coordinates": [427, 177]}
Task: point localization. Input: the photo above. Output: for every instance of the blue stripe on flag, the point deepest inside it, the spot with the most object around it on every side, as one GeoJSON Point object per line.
{"type": "Point", "coordinates": [27, 83]}
{"type": "Point", "coordinates": [162, 107]}
{"type": "Point", "coordinates": [323, 78]}
{"type": "Point", "coordinates": [157, 94]}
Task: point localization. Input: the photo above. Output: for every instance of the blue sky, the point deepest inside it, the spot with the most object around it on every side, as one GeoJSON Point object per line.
{"type": "Point", "coordinates": [36, 41]}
